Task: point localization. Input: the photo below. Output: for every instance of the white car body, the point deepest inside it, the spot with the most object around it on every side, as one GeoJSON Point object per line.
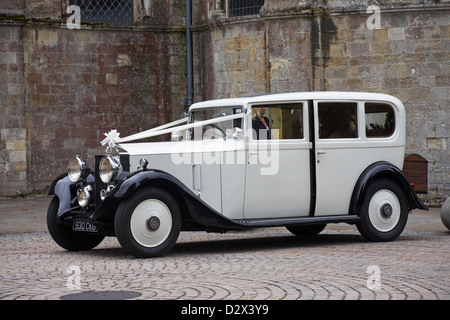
{"type": "Point", "coordinates": [241, 190]}
{"type": "Point", "coordinates": [309, 172]}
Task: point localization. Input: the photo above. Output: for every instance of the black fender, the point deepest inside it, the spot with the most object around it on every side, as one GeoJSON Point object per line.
{"type": "Point", "coordinates": [61, 188]}
{"type": "Point", "coordinates": [66, 191]}
{"type": "Point", "coordinates": [196, 213]}
{"type": "Point", "coordinates": [383, 169]}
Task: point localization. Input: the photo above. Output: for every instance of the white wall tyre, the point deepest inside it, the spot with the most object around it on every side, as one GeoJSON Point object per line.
{"type": "Point", "coordinates": [384, 212]}
{"type": "Point", "coordinates": [148, 223]}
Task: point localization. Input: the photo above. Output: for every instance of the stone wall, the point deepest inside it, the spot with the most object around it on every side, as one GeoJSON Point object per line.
{"type": "Point", "coordinates": [62, 89]}
{"type": "Point", "coordinates": [338, 45]}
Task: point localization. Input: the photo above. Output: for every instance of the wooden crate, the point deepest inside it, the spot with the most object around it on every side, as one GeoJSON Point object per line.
{"type": "Point", "coordinates": [415, 168]}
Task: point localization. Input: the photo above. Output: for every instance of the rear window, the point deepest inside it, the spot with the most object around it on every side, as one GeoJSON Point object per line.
{"type": "Point", "coordinates": [380, 120]}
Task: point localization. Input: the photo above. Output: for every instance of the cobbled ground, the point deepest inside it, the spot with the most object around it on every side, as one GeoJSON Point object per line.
{"type": "Point", "coordinates": [258, 264]}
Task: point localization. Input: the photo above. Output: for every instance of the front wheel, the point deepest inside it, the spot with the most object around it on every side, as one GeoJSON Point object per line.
{"type": "Point", "coordinates": [384, 212]}
{"type": "Point", "coordinates": [64, 236]}
{"type": "Point", "coordinates": [148, 223]}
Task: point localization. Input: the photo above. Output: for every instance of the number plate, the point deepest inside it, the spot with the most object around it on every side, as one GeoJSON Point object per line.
{"type": "Point", "coordinates": [84, 226]}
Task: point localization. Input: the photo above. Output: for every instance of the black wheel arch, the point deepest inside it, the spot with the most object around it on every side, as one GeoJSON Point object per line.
{"type": "Point", "coordinates": [66, 191]}
{"type": "Point", "coordinates": [383, 169]}
{"type": "Point", "coordinates": [195, 213]}
{"type": "Point", "coordinates": [137, 181]}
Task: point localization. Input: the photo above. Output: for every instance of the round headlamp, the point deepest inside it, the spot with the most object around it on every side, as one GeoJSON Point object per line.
{"type": "Point", "coordinates": [77, 169]}
{"type": "Point", "coordinates": [109, 168]}
{"type": "Point", "coordinates": [84, 196]}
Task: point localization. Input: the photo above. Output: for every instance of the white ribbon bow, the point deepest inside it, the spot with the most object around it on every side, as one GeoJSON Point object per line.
{"type": "Point", "coordinates": [112, 138]}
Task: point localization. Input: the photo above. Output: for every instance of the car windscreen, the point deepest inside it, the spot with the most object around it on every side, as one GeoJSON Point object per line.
{"type": "Point", "coordinates": [216, 130]}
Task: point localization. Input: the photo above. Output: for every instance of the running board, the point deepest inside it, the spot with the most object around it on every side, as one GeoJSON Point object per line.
{"type": "Point", "coordinates": [297, 221]}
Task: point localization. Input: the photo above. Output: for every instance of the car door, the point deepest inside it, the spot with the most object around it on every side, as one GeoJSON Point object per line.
{"type": "Point", "coordinates": [277, 175]}
{"type": "Point", "coordinates": [339, 154]}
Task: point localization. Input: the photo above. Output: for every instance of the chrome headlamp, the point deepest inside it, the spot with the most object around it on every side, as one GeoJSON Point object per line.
{"type": "Point", "coordinates": [110, 168]}
{"type": "Point", "coordinates": [84, 196]}
{"type": "Point", "coordinates": [77, 169]}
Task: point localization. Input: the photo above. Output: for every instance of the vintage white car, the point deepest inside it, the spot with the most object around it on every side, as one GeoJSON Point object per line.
{"type": "Point", "coordinates": [299, 160]}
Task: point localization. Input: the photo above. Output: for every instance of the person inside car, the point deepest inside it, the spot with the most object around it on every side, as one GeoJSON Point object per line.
{"type": "Point", "coordinates": [260, 124]}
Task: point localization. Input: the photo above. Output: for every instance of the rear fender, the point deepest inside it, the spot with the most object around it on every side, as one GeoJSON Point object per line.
{"type": "Point", "coordinates": [383, 170]}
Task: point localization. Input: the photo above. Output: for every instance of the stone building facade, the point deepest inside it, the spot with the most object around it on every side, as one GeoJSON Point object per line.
{"type": "Point", "coordinates": [62, 88]}
{"type": "Point", "coordinates": [395, 47]}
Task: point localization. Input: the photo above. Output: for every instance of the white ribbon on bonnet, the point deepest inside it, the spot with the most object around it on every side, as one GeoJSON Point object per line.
{"type": "Point", "coordinates": [113, 137]}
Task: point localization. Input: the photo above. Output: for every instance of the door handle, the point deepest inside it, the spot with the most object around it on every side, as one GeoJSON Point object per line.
{"type": "Point", "coordinates": [253, 157]}
{"type": "Point", "coordinates": [319, 153]}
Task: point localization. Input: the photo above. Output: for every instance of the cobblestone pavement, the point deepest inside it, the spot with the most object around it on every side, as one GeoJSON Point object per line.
{"type": "Point", "coordinates": [259, 264]}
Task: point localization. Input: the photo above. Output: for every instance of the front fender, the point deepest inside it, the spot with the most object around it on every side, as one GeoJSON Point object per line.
{"type": "Point", "coordinates": [192, 206]}
{"type": "Point", "coordinates": [134, 181]}
{"type": "Point", "coordinates": [63, 188]}
{"type": "Point", "coordinates": [379, 170]}
{"type": "Point", "coordinates": [51, 190]}
{"type": "Point", "coordinates": [66, 191]}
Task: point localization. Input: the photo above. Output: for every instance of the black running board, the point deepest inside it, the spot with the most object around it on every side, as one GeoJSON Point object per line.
{"type": "Point", "coordinates": [255, 223]}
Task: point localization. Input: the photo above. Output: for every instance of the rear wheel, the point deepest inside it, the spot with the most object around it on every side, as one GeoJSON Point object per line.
{"type": "Point", "coordinates": [148, 223]}
{"type": "Point", "coordinates": [384, 212]}
{"type": "Point", "coordinates": [64, 236]}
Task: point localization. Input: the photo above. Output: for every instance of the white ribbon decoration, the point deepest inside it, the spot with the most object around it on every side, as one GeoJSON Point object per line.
{"type": "Point", "coordinates": [113, 137]}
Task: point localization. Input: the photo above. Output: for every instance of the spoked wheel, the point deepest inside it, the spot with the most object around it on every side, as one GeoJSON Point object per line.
{"type": "Point", "coordinates": [148, 223]}
{"type": "Point", "coordinates": [384, 212]}
{"type": "Point", "coordinates": [64, 236]}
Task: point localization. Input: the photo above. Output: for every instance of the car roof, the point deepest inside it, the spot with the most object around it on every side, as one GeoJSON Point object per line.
{"type": "Point", "coordinates": [292, 96]}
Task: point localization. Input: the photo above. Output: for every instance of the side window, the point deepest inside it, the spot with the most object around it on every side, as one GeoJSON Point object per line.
{"type": "Point", "coordinates": [380, 120]}
{"type": "Point", "coordinates": [277, 121]}
{"type": "Point", "coordinates": [337, 120]}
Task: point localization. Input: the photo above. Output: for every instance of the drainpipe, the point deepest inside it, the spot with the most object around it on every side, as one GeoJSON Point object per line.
{"type": "Point", "coordinates": [190, 76]}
